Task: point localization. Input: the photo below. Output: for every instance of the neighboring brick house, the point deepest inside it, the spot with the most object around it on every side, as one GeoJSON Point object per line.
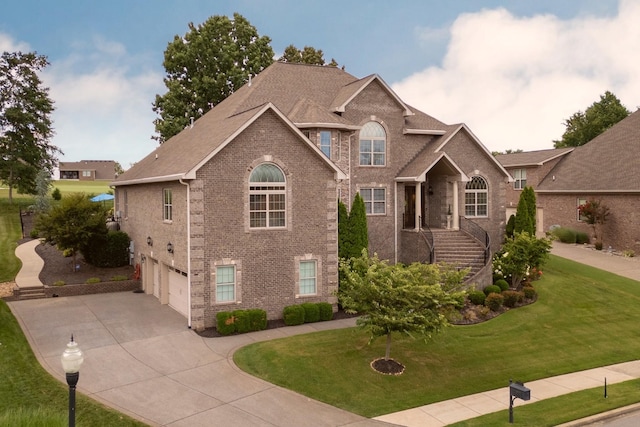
{"type": "Point", "coordinates": [247, 196]}
{"type": "Point", "coordinates": [88, 170]}
{"type": "Point", "coordinates": [529, 169]}
{"type": "Point", "coordinates": [605, 169]}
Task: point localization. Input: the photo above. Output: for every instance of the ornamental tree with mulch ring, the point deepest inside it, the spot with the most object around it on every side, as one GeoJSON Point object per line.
{"type": "Point", "coordinates": [397, 298]}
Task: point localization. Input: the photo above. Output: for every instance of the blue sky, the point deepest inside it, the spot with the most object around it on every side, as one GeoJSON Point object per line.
{"type": "Point", "coordinates": [512, 70]}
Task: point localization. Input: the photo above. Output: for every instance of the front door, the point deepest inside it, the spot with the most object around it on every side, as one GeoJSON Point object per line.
{"type": "Point", "coordinates": [409, 207]}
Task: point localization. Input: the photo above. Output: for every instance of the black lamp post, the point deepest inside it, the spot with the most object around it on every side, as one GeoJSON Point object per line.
{"type": "Point", "coordinates": [71, 359]}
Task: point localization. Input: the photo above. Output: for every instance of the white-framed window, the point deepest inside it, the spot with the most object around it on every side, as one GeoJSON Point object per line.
{"type": "Point", "coordinates": [325, 142]}
{"type": "Point", "coordinates": [520, 177]}
{"type": "Point", "coordinates": [167, 205]}
{"type": "Point", "coordinates": [267, 197]}
{"type": "Point", "coordinates": [476, 198]}
{"type": "Point", "coordinates": [373, 141]}
{"type": "Point", "coordinates": [225, 283]}
{"type": "Point", "coordinates": [580, 202]}
{"type": "Point", "coordinates": [374, 200]}
{"type": "Point", "coordinates": [86, 173]}
{"type": "Point", "coordinates": [308, 277]}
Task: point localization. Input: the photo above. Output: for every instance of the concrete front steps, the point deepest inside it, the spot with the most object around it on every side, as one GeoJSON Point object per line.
{"type": "Point", "coordinates": [31, 292]}
{"type": "Point", "coordinates": [458, 248]}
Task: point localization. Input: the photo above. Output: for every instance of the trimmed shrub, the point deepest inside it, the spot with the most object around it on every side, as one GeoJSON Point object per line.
{"type": "Point", "coordinates": [33, 234]}
{"type": "Point", "coordinates": [257, 319]}
{"type": "Point", "coordinates": [476, 297]}
{"type": "Point", "coordinates": [293, 315]}
{"type": "Point", "coordinates": [325, 310]}
{"type": "Point", "coordinates": [492, 289]}
{"type": "Point", "coordinates": [91, 280]}
{"type": "Point", "coordinates": [529, 292]}
{"type": "Point", "coordinates": [242, 321]}
{"type": "Point", "coordinates": [56, 194]}
{"type": "Point", "coordinates": [311, 312]}
{"type": "Point", "coordinates": [565, 235]}
{"type": "Point", "coordinates": [494, 301]}
{"type": "Point", "coordinates": [59, 283]}
{"type": "Point", "coordinates": [110, 250]}
{"type": "Point", "coordinates": [225, 323]}
{"type": "Point", "coordinates": [582, 237]}
{"type": "Point", "coordinates": [502, 284]}
{"type": "Point", "coordinates": [118, 278]}
{"type": "Point", "coordinates": [511, 298]}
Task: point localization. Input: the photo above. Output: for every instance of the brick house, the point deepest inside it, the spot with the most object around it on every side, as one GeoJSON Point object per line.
{"type": "Point", "coordinates": [605, 169]}
{"type": "Point", "coordinates": [529, 169]}
{"type": "Point", "coordinates": [239, 210]}
{"type": "Point", "coordinates": [88, 170]}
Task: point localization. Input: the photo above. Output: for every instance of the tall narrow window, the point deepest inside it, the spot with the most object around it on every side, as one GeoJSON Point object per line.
{"type": "Point", "coordinates": [581, 202]}
{"type": "Point", "coordinates": [225, 283]}
{"type": "Point", "coordinates": [267, 201]}
{"type": "Point", "coordinates": [167, 205]}
{"type": "Point", "coordinates": [325, 142]}
{"type": "Point", "coordinates": [520, 179]}
{"type": "Point", "coordinates": [476, 197]}
{"type": "Point", "coordinates": [374, 200]}
{"type": "Point", "coordinates": [373, 141]}
{"type": "Point", "coordinates": [308, 275]}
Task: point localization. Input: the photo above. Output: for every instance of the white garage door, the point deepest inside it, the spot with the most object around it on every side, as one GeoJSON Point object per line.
{"type": "Point", "coordinates": [179, 292]}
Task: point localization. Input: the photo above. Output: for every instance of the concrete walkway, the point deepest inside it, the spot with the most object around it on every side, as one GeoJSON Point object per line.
{"type": "Point", "coordinates": [141, 359]}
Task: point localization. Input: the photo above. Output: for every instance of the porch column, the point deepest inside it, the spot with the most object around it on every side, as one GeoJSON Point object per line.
{"type": "Point", "coordinates": [418, 206]}
{"type": "Point", "coordinates": [456, 211]}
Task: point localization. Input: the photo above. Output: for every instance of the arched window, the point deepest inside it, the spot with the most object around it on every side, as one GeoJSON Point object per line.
{"type": "Point", "coordinates": [476, 197]}
{"type": "Point", "coordinates": [267, 190]}
{"type": "Point", "coordinates": [373, 141]}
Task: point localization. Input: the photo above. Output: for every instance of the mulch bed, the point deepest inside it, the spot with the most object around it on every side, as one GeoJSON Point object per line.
{"type": "Point", "coordinates": [57, 267]}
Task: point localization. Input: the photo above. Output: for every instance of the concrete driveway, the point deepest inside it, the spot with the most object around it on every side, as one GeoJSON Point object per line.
{"type": "Point", "coordinates": [141, 359]}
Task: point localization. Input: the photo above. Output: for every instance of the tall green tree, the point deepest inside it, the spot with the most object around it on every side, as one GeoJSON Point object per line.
{"type": "Point", "coordinates": [308, 55]}
{"type": "Point", "coordinates": [525, 220]}
{"type": "Point", "coordinates": [72, 223]}
{"type": "Point", "coordinates": [25, 122]}
{"type": "Point", "coordinates": [397, 298]}
{"type": "Point", "coordinates": [582, 127]}
{"type": "Point", "coordinates": [43, 186]}
{"type": "Point", "coordinates": [207, 64]}
{"type": "Point", "coordinates": [358, 226]}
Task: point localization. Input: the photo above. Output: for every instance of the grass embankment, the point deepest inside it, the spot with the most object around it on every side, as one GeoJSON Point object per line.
{"type": "Point", "coordinates": [584, 318]}
{"type": "Point", "coordinates": [29, 396]}
{"type": "Point", "coordinates": [28, 391]}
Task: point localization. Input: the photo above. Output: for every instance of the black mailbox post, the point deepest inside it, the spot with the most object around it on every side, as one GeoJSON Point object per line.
{"type": "Point", "coordinates": [517, 390]}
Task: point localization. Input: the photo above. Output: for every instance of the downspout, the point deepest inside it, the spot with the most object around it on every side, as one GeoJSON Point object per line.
{"type": "Point", "coordinates": [188, 248]}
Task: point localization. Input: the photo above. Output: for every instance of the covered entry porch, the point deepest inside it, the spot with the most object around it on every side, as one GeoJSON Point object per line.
{"type": "Point", "coordinates": [431, 198]}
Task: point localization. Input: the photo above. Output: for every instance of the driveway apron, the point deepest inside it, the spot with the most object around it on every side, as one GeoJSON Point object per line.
{"type": "Point", "coordinates": [141, 359]}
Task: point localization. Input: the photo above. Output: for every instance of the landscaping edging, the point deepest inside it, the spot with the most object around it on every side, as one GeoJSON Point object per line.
{"type": "Point", "coordinates": [91, 288]}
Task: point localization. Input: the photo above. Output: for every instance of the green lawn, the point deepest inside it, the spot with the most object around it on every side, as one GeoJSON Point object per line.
{"type": "Point", "coordinates": [584, 318]}
{"type": "Point", "coordinates": [10, 233]}
{"type": "Point", "coordinates": [88, 187]}
{"type": "Point", "coordinates": [26, 388]}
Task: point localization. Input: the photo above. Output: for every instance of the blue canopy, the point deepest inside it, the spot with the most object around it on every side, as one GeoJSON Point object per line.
{"type": "Point", "coordinates": [102, 197]}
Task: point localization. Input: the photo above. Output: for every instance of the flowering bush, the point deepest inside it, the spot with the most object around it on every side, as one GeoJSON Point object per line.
{"type": "Point", "coordinates": [521, 257]}
{"type": "Point", "coordinates": [594, 213]}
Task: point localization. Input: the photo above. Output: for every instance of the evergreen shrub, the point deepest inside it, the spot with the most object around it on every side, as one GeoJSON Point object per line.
{"type": "Point", "coordinates": [492, 289]}
{"type": "Point", "coordinates": [502, 284]}
{"type": "Point", "coordinates": [293, 315]}
{"type": "Point", "coordinates": [225, 323]}
{"type": "Point", "coordinates": [326, 311]}
{"type": "Point", "coordinates": [476, 297]}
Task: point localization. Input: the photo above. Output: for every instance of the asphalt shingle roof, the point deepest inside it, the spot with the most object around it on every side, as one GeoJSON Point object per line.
{"type": "Point", "coordinates": [609, 162]}
{"type": "Point", "coordinates": [531, 158]}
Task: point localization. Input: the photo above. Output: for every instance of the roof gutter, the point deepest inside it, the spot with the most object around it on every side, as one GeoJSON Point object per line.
{"type": "Point", "coordinates": [164, 178]}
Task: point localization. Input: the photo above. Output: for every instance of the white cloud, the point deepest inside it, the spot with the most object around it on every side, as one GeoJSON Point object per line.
{"type": "Point", "coordinates": [103, 100]}
{"type": "Point", "coordinates": [515, 80]}
{"type": "Point", "coordinates": [8, 44]}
